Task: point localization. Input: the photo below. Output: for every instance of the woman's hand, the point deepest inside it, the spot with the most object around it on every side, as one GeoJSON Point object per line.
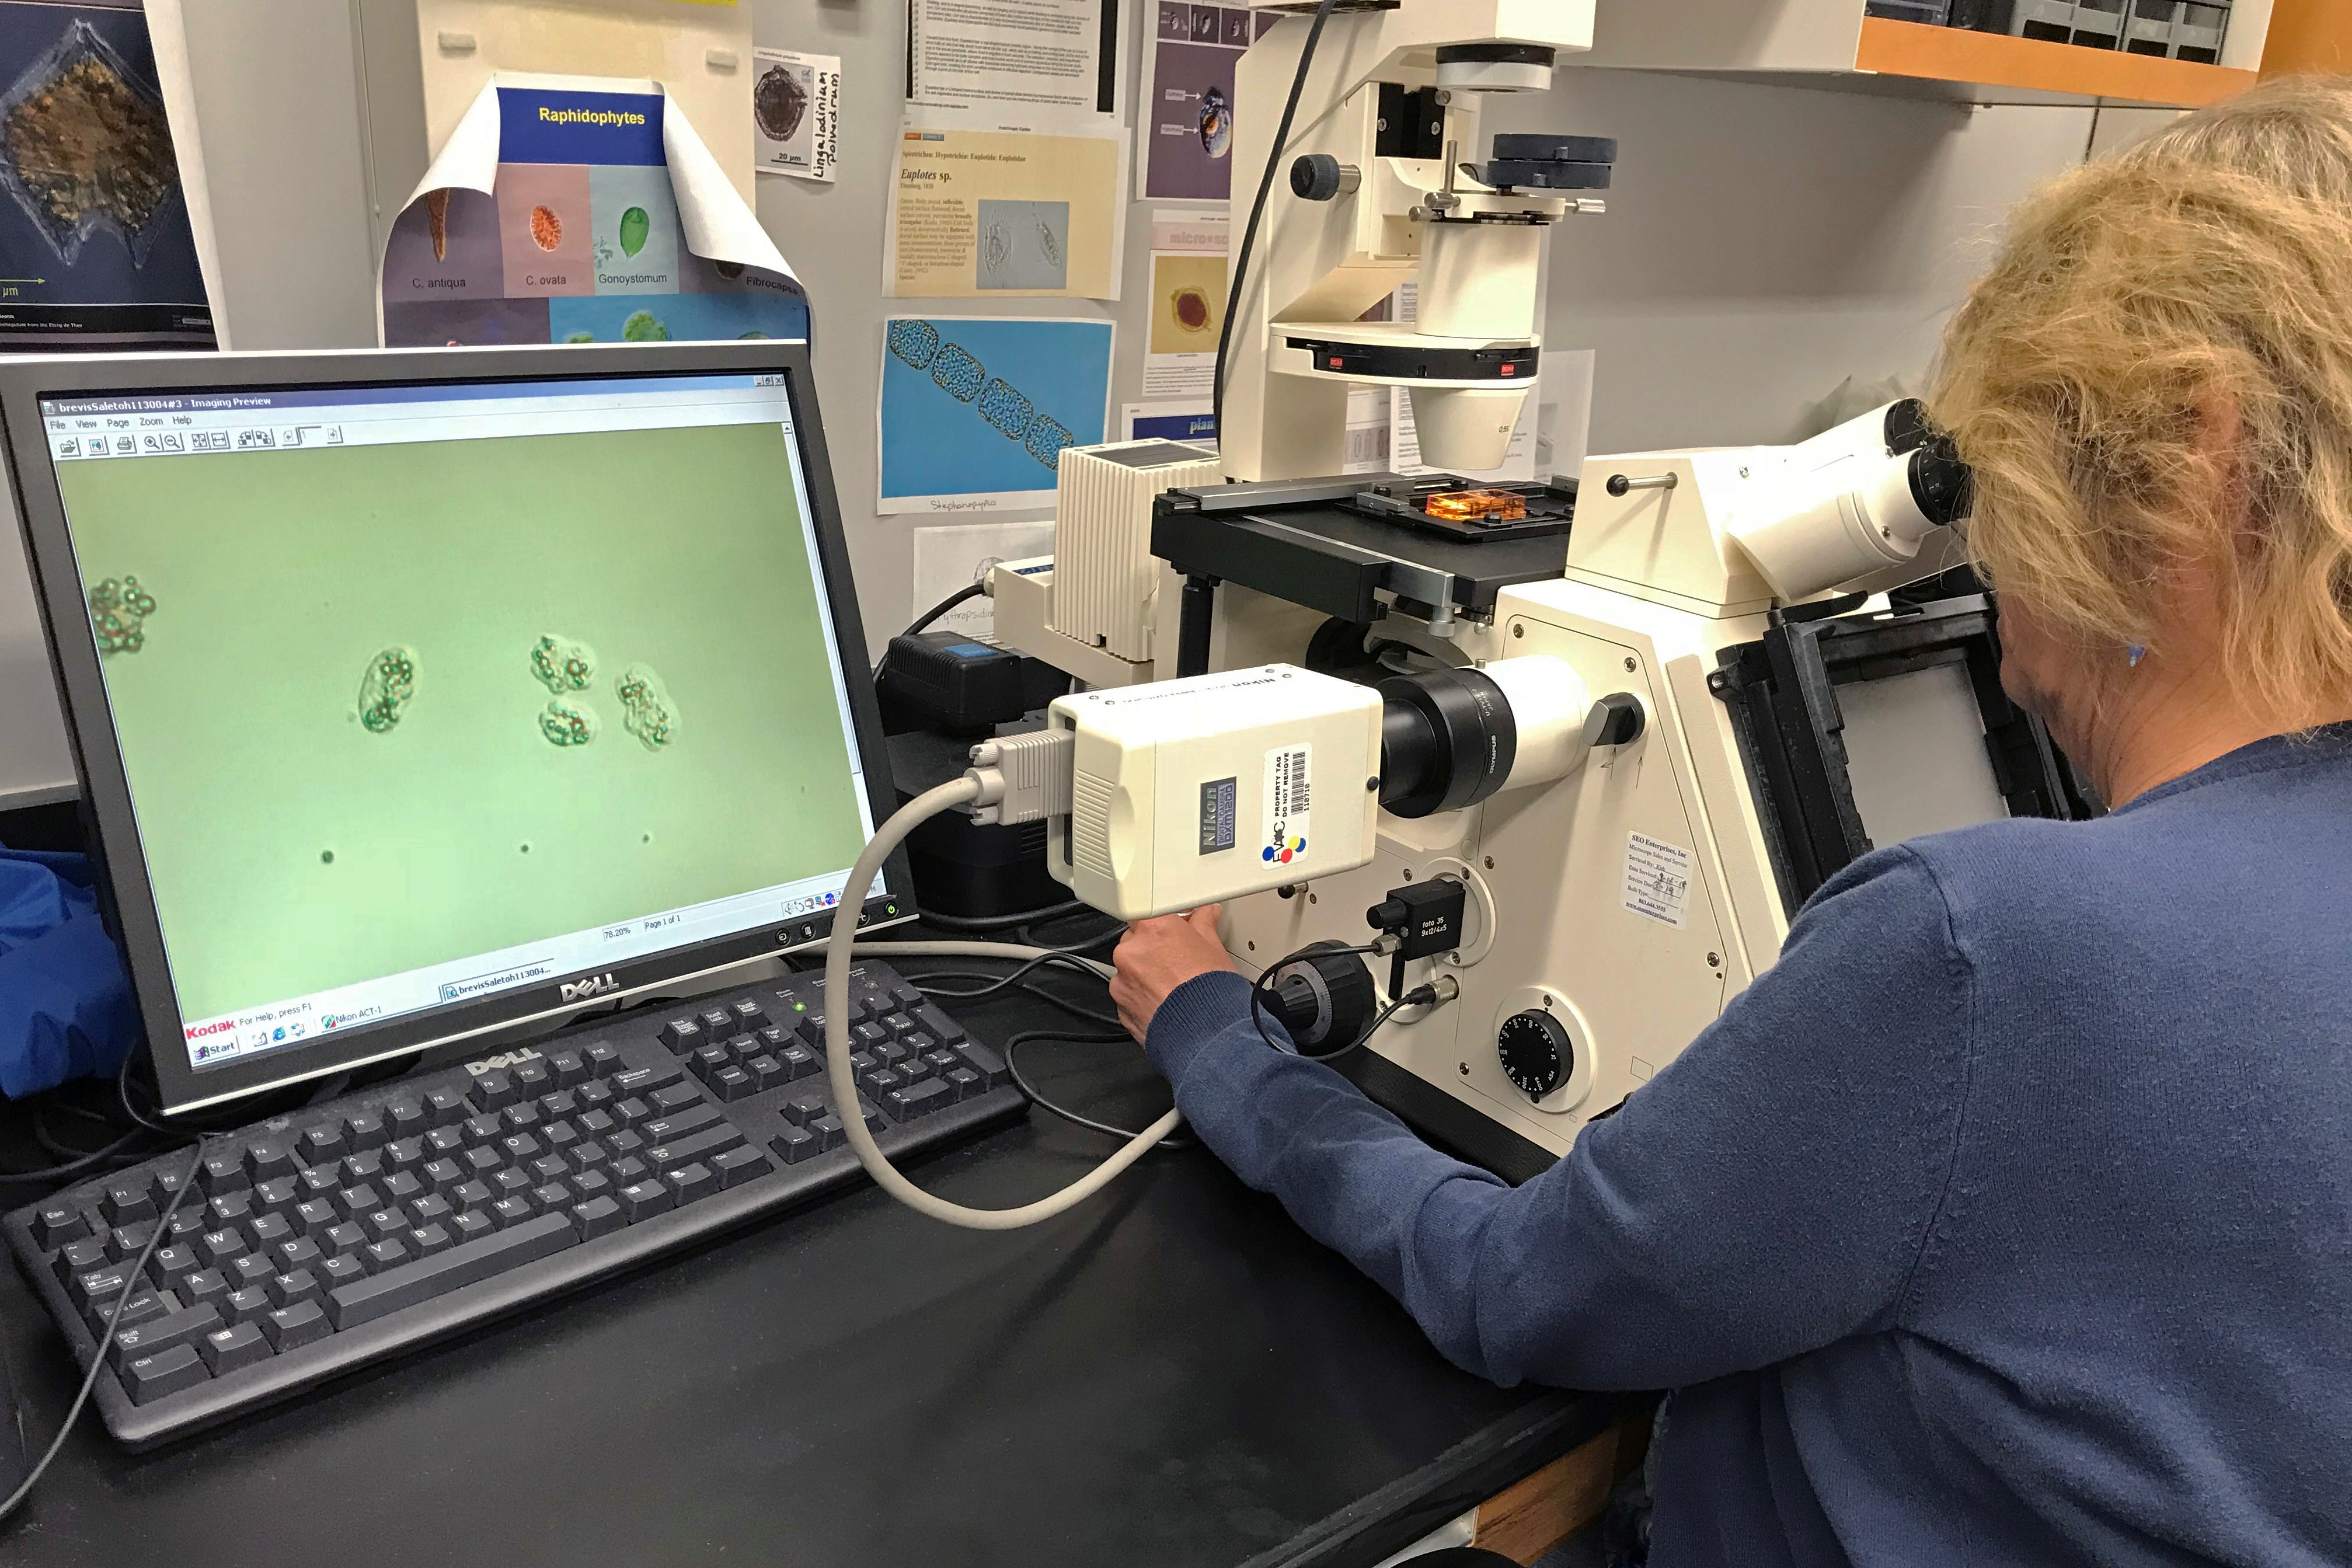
{"type": "Point", "coordinates": [1157, 956]}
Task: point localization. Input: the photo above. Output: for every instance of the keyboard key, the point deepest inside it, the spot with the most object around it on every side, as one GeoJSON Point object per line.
{"type": "Point", "coordinates": [707, 1060]}
{"type": "Point", "coordinates": [629, 1170]}
{"type": "Point", "coordinates": [766, 1072]}
{"type": "Point", "coordinates": [380, 1224]}
{"type": "Point", "coordinates": [471, 1195]}
{"type": "Point", "coordinates": [440, 1176]}
{"type": "Point", "coordinates": [246, 1305]}
{"type": "Point", "coordinates": [557, 1134]}
{"type": "Point", "coordinates": [879, 1083]}
{"type": "Point", "coordinates": [748, 1015]}
{"type": "Point", "coordinates": [519, 1117]}
{"type": "Point", "coordinates": [693, 1146]}
{"type": "Point", "coordinates": [693, 1119]}
{"type": "Point", "coordinates": [587, 1155]}
{"type": "Point", "coordinates": [249, 1272]}
{"type": "Point", "coordinates": [341, 1270]}
{"type": "Point", "coordinates": [920, 1098]}
{"type": "Point", "coordinates": [484, 1163]}
{"type": "Point", "coordinates": [558, 1105]}
{"type": "Point", "coordinates": [405, 1119]}
{"type": "Point", "coordinates": [431, 1210]}
{"type": "Point", "coordinates": [508, 1212]}
{"type": "Point", "coordinates": [890, 1053]}
{"type": "Point", "coordinates": [277, 1195]}
{"type": "Point", "coordinates": [166, 1372]}
{"type": "Point", "coordinates": [985, 1062]}
{"type": "Point", "coordinates": [296, 1255]}
{"type": "Point", "coordinates": [743, 1047]}
{"type": "Point", "coordinates": [591, 1184]}
{"type": "Point", "coordinates": [366, 1129]}
{"type": "Point", "coordinates": [532, 1079]}
{"type": "Point", "coordinates": [270, 1230]}
{"type": "Point", "coordinates": [206, 1285]}
{"type": "Point", "coordinates": [232, 1348]}
{"type": "Point", "coordinates": [647, 1199]}
{"type": "Point", "coordinates": [641, 1082]}
{"type": "Point", "coordinates": [493, 1091]}
{"type": "Point", "coordinates": [393, 1288]}
{"type": "Point", "coordinates": [522, 1148]}
{"type": "Point", "coordinates": [126, 1242]}
{"type": "Point", "coordinates": [732, 1083]}
{"type": "Point", "coordinates": [602, 1060]}
{"type": "Point", "coordinates": [799, 1062]}
{"type": "Point", "coordinates": [81, 1258]}
{"type": "Point", "coordinates": [471, 1225]}
{"type": "Point", "coordinates": [126, 1201]}
{"type": "Point", "coordinates": [717, 1021]}
{"type": "Point", "coordinates": [144, 1305]}
{"type": "Point", "coordinates": [288, 1290]}
{"type": "Point", "coordinates": [183, 1327]}
{"type": "Point", "coordinates": [443, 1143]}
{"type": "Point", "coordinates": [965, 1082]}
{"type": "Point", "coordinates": [481, 1129]}
{"type": "Point", "coordinates": [596, 1124]}
{"type": "Point", "coordinates": [567, 1068]}
{"type": "Point", "coordinates": [626, 1143]}
{"type": "Point", "coordinates": [805, 1106]}
{"type": "Point", "coordinates": [691, 1182]}
{"type": "Point", "coordinates": [316, 1215]}
{"type": "Point", "coordinates": [866, 1037]}
{"type": "Point", "coordinates": [268, 1160]}
{"type": "Point", "coordinates": [357, 1201]}
{"type": "Point", "coordinates": [366, 1165]}
{"type": "Point", "coordinates": [223, 1174]}
{"type": "Point", "coordinates": [874, 1122]}
{"type": "Point", "coordinates": [595, 1095]}
{"type": "Point", "coordinates": [773, 1040]}
{"type": "Point", "coordinates": [632, 1110]}
{"type": "Point", "coordinates": [318, 1181]}
{"type": "Point", "coordinates": [511, 1184]}
{"type": "Point", "coordinates": [428, 1240]}
{"type": "Point", "coordinates": [548, 1197]}
{"type": "Point", "coordinates": [597, 1216]}
{"type": "Point", "coordinates": [401, 1189]}
{"type": "Point", "coordinates": [229, 1208]}
{"type": "Point", "coordinates": [830, 1132]}
{"type": "Point", "coordinates": [291, 1328]}
{"type": "Point", "coordinates": [391, 1252]}
{"type": "Point", "coordinates": [736, 1166]}
{"type": "Point", "coordinates": [549, 1168]}
{"type": "Point", "coordinates": [674, 1099]}
{"type": "Point", "coordinates": [405, 1156]}
{"type": "Point", "coordinates": [915, 1068]}
{"type": "Point", "coordinates": [446, 1107]}
{"type": "Point", "coordinates": [322, 1145]}
{"type": "Point", "coordinates": [794, 1144]}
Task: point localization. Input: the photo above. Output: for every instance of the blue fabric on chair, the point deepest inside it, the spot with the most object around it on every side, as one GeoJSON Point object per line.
{"type": "Point", "coordinates": [65, 1001]}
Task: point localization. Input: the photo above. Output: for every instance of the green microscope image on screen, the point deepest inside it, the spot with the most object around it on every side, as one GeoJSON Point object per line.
{"type": "Point", "coordinates": [388, 706]}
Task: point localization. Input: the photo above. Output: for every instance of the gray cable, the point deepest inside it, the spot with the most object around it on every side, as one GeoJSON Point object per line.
{"type": "Point", "coordinates": [839, 955]}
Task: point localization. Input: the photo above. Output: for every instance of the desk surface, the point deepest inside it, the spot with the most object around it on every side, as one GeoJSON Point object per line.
{"type": "Point", "coordinates": [1173, 1374]}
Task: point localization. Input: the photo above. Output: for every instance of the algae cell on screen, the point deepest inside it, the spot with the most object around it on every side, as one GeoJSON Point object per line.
{"type": "Point", "coordinates": [387, 688]}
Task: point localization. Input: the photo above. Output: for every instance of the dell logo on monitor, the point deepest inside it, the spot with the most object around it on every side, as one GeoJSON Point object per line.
{"type": "Point", "coordinates": [594, 986]}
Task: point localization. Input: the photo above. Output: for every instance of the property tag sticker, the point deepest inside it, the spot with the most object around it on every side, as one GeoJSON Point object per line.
{"type": "Point", "coordinates": [1657, 879]}
{"type": "Point", "coordinates": [1286, 801]}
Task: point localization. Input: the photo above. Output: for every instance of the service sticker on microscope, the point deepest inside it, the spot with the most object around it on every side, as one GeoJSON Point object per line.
{"type": "Point", "coordinates": [1286, 797]}
{"type": "Point", "coordinates": [1657, 879]}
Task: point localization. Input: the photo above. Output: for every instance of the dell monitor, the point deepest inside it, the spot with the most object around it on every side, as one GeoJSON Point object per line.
{"type": "Point", "coordinates": [422, 694]}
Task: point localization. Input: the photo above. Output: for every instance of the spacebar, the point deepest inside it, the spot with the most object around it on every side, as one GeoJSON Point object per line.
{"type": "Point", "coordinates": [364, 1300]}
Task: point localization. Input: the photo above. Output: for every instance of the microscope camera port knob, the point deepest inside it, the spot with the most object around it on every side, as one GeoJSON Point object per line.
{"type": "Point", "coordinates": [1537, 1051]}
{"type": "Point", "coordinates": [1320, 177]}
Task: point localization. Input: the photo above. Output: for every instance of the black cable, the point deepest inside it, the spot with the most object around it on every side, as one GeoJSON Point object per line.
{"type": "Point", "coordinates": [138, 1275]}
{"type": "Point", "coordinates": [1010, 1052]}
{"type": "Point", "coordinates": [1258, 210]}
{"type": "Point", "coordinates": [110, 1155]}
{"type": "Point", "coordinates": [976, 923]}
{"type": "Point", "coordinates": [1011, 983]}
{"type": "Point", "coordinates": [1418, 995]}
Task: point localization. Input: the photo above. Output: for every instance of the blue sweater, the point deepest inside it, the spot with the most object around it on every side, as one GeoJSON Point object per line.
{"type": "Point", "coordinates": [2006, 1219]}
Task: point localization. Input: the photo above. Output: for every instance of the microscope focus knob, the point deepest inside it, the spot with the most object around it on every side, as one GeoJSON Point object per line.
{"type": "Point", "coordinates": [1537, 1051]}
{"type": "Point", "coordinates": [1319, 177]}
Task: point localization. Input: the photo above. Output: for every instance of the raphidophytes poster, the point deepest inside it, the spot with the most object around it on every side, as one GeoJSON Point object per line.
{"type": "Point", "coordinates": [575, 210]}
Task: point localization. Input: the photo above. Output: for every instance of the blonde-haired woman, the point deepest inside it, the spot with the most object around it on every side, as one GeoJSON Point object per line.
{"type": "Point", "coordinates": [2008, 1218]}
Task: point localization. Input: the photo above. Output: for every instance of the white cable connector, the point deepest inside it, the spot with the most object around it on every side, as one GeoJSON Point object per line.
{"type": "Point", "coordinates": [843, 1080]}
{"type": "Point", "coordinates": [1023, 777]}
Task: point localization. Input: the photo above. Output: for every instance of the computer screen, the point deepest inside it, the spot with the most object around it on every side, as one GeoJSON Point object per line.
{"type": "Point", "coordinates": [431, 693]}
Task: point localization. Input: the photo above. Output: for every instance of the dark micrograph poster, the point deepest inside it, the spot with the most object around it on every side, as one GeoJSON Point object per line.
{"type": "Point", "coordinates": [96, 248]}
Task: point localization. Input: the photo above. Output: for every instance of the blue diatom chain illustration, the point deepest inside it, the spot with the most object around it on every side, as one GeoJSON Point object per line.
{"type": "Point", "coordinates": [961, 376]}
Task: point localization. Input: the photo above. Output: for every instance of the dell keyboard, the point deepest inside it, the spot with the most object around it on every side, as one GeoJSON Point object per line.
{"type": "Point", "coordinates": [358, 1229]}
